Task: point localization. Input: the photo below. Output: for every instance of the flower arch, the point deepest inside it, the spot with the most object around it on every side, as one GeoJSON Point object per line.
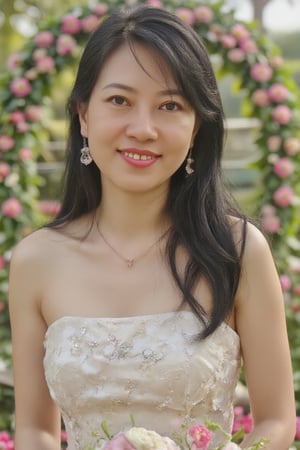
{"type": "Point", "coordinates": [271, 97]}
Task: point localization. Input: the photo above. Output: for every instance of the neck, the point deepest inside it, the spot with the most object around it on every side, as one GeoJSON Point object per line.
{"type": "Point", "coordinates": [132, 215]}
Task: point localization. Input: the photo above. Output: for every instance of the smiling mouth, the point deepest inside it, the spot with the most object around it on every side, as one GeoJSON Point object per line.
{"type": "Point", "coordinates": [138, 157]}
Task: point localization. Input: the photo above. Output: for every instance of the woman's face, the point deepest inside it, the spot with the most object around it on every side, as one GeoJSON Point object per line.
{"type": "Point", "coordinates": [138, 126]}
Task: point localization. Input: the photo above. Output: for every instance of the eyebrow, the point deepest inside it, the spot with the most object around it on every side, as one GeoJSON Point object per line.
{"type": "Point", "coordinates": [125, 87]}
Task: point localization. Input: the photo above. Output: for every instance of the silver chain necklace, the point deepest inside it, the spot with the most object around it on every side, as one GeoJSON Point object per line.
{"type": "Point", "coordinates": [131, 261]}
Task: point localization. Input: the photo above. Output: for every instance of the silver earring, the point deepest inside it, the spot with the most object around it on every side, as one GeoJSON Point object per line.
{"type": "Point", "coordinates": [86, 157]}
{"type": "Point", "coordinates": [189, 161]}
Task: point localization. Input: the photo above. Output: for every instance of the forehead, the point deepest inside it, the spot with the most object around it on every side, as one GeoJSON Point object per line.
{"type": "Point", "coordinates": [136, 62]}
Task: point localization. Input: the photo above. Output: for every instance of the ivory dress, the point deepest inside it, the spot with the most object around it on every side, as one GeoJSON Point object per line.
{"type": "Point", "coordinates": [149, 367]}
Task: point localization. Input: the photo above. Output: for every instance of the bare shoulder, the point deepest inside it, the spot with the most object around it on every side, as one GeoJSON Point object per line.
{"type": "Point", "coordinates": [249, 236]}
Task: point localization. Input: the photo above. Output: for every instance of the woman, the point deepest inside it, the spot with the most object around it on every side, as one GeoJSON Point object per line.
{"type": "Point", "coordinates": [143, 294]}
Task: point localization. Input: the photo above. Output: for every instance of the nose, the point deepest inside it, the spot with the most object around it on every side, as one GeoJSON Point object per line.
{"type": "Point", "coordinates": [142, 125]}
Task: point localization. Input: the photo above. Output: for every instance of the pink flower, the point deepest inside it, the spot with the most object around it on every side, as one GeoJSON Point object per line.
{"type": "Point", "coordinates": [283, 167]}
{"type": "Point", "coordinates": [71, 24]}
{"type": "Point", "coordinates": [100, 9]}
{"type": "Point", "coordinates": [276, 61]}
{"type": "Point", "coordinates": [268, 210]}
{"type": "Point", "coordinates": [22, 127]}
{"type": "Point", "coordinates": [291, 146]}
{"type": "Point", "coordinates": [65, 44]}
{"type": "Point", "coordinates": [4, 170]}
{"type": "Point", "coordinates": [260, 97]}
{"type": "Point", "coordinates": [90, 23]}
{"type": "Point", "coordinates": [2, 265]}
{"type": "Point", "coordinates": [274, 143]}
{"type": "Point", "coordinates": [20, 87]}
{"type": "Point", "coordinates": [236, 55]}
{"type": "Point", "coordinates": [283, 196]}
{"type": "Point", "coordinates": [186, 15]}
{"type": "Point", "coordinates": [154, 3]}
{"type": "Point", "coordinates": [261, 72]}
{"type": "Point", "coordinates": [239, 32]}
{"type": "Point", "coordinates": [297, 435]}
{"type": "Point", "coordinates": [16, 117]}
{"type": "Point", "coordinates": [282, 114]}
{"type": "Point", "coordinates": [203, 14]}
{"type": "Point", "coordinates": [11, 207]}
{"type": "Point", "coordinates": [39, 53]}
{"type": "Point", "coordinates": [201, 437]}
{"type": "Point", "coordinates": [49, 207]}
{"type": "Point", "coordinates": [244, 422]}
{"type": "Point", "coordinates": [33, 113]}
{"type": "Point", "coordinates": [278, 92]}
{"type": "Point", "coordinates": [44, 39]}
{"type": "Point", "coordinates": [31, 74]}
{"type": "Point", "coordinates": [25, 154]}
{"type": "Point", "coordinates": [271, 223]}
{"type": "Point", "coordinates": [285, 283]}
{"type": "Point", "coordinates": [248, 46]}
{"type": "Point", "coordinates": [227, 41]}
{"type": "Point", "coordinates": [119, 442]}
{"type": "Point", "coordinates": [6, 142]}
{"type": "Point", "coordinates": [45, 64]}
{"type": "Point", "coordinates": [63, 436]}
{"type": "Point", "coordinates": [14, 61]}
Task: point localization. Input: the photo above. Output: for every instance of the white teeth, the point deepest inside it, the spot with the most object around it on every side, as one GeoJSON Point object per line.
{"type": "Point", "coordinates": [137, 156]}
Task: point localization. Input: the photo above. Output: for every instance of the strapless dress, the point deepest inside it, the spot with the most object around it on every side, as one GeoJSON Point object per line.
{"type": "Point", "coordinates": [151, 368]}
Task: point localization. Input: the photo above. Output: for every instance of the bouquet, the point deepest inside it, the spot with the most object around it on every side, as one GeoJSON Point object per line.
{"type": "Point", "coordinates": [197, 437]}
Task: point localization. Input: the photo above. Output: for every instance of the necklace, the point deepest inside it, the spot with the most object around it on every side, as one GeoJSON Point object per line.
{"type": "Point", "coordinates": [131, 261]}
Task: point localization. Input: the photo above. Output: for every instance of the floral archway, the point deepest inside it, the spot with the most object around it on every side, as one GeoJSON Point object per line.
{"type": "Point", "coordinates": [271, 97]}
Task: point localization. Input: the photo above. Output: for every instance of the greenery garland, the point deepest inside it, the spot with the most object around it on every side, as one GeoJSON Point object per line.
{"type": "Point", "coordinates": [271, 97]}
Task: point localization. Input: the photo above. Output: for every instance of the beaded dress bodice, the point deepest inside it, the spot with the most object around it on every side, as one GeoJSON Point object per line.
{"type": "Point", "coordinates": [151, 367]}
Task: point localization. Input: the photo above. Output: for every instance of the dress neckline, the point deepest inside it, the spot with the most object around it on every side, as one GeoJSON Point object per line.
{"type": "Point", "coordinates": [124, 319]}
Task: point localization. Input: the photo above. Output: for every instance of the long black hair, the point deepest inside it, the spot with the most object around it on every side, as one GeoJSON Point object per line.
{"type": "Point", "coordinates": [198, 205]}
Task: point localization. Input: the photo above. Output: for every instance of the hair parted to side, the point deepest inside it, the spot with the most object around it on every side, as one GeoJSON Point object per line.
{"type": "Point", "coordinates": [198, 205]}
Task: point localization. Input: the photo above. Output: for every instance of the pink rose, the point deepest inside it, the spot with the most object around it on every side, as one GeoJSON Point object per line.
{"type": "Point", "coordinates": [2, 265]}
{"type": "Point", "coordinates": [22, 127]}
{"type": "Point", "coordinates": [20, 87]}
{"type": "Point", "coordinates": [260, 97]}
{"type": "Point", "coordinates": [248, 46]}
{"type": "Point", "coordinates": [276, 61]}
{"type": "Point", "coordinates": [282, 114]}
{"type": "Point", "coordinates": [71, 24]}
{"type": "Point", "coordinates": [154, 3]}
{"type": "Point", "coordinates": [261, 72]}
{"type": "Point", "coordinates": [297, 435]}
{"type": "Point", "coordinates": [119, 442]}
{"type": "Point", "coordinates": [239, 31]}
{"type": "Point", "coordinates": [90, 23]}
{"type": "Point", "coordinates": [236, 55]}
{"type": "Point", "coordinates": [274, 143]}
{"type": "Point", "coordinates": [11, 207]}
{"type": "Point", "coordinates": [201, 437]}
{"type": "Point", "coordinates": [65, 44]}
{"type": "Point", "coordinates": [283, 167]}
{"type": "Point", "coordinates": [14, 61]}
{"type": "Point", "coordinates": [227, 41]}
{"type": "Point", "coordinates": [4, 170]}
{"type": "Point", "coordinates": [285, 283]}
{"type": "Point", "coordinates": [25, 154]}
{"type": "Point", "coordinates": [44, 39]}
{"type": "Point", "coordinates": [33, 113]}
{"type": "Point", "coordinates": [271, 224]}
{"type": "Point", "coordinates": [16, 117]}
{"type": "Point", "coordinates": [100, 9]}
{"type": "Point", "coordinates": [291, 146]}
{"type": "Point", "coordinates": [278, 92]}
{"type": "Point", "coordinates": [6, 142]}
{"type": "Point", "coordinates": [203, 14]}
{"type": "Point", "coordinates": [45, 64]}
{"type": "Point", "coordinates": [283, 196]}
{"type": "Point", "coordinates": [186, 15]}
{"type": "Point", "coordinates": [39, 53]}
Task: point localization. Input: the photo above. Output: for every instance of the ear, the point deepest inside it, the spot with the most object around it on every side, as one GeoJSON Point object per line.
{"type": "Point", "coordinates": [82, 115]}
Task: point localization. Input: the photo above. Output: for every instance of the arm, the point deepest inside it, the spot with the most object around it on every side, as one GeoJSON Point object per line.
{"type": "Point", "coordinates": [37, 417]}
{"type": "Point", "coordinates": [260, 321]}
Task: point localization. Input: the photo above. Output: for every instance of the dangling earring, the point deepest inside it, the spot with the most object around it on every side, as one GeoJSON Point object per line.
{"type": "Point", "coordinates": [86, 157]}
{"type": "Point", "coordinates": [189, 161]}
